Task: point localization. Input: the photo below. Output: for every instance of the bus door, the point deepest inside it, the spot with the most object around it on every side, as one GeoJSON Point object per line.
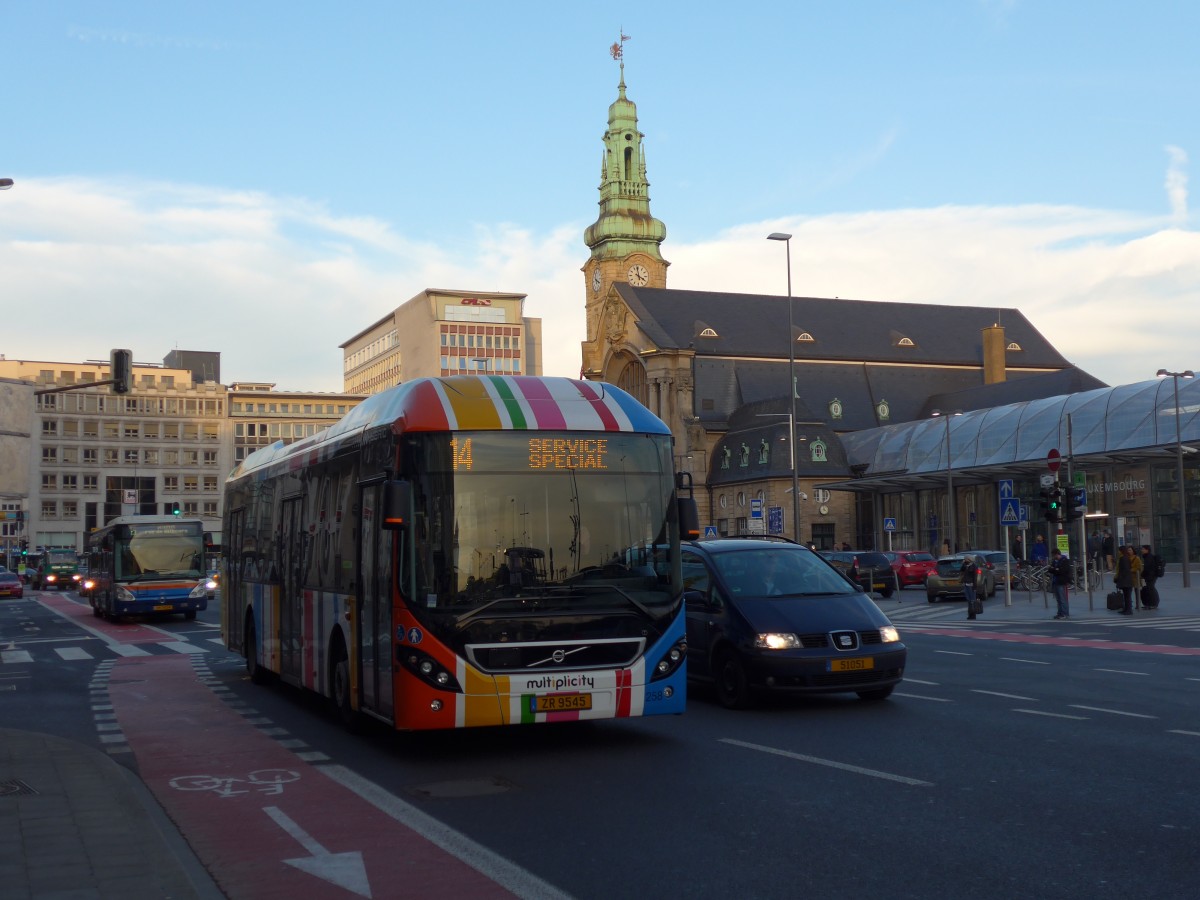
{"type": "Point", "coordinates": [232, 613]}
{"type": "Point", "coordinates": [291, 604]}
{"type": "Point", "coordinates": [375, 603]}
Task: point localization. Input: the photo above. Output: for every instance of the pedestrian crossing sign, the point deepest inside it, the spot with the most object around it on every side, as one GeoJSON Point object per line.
{"type": "Point", "coordinates": [1010, 511]}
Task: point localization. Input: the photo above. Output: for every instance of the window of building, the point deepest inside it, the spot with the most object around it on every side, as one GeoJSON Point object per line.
{"type": "Point", "coordinates": [191, 483]}
{"type": "Point", "coordinates": [132, 406]}
{"type": "Point", "coordinates": [170, 482]}
{"type": "Point", "coordinates": [49, 427]}
{"type": "Point", "coordinates": [49, 509]}
{"type": "Point", "coordinates": [91, 431]}
{"type": "Point", "coordinates": [91, 482]}
{"type": "Point", "coordinates": [150, 457]}
{"type": "Point", "coordinates": [70, 428]}
{"type": "Point", "coordinates": [150, 431]}
{"type": "Point", "coordinates": [210, 508]}
{"type": "Point", "coordinates": [171, 457]}
{"type": "Point", "coordinates": [70, 482]}
{"type": "Point", "coordinates": [111, 431]}
{"type": "Point", "coordinates": [210, 482]}
{"type": "Point", "coordinates": [210, 457]}
{"type": "Point", "coordinates": [191, 431]}
{"type": "Point", "coordinates": [90, 456]}
{"type": "Point", "coordinates": [70, 456]}
{"type": "Point", "coordinates": [49, 482]}
{"type": "Point", "coordinates": [190, 508]}
{"type": "Point", "coordinates": [131, 457]}
{"type": "Point", "coordinates": [168, 381]}
{"type": "Point", "coordinates": [131, 432]}
{"type": "Point", "coordinates": [191, 458]}
{"type": "Point", "coordinates": [70, 509]}
{"type": "Point", "coordinates": [49, 454]}
{"type": "Point", "coordinates": [211, 431]}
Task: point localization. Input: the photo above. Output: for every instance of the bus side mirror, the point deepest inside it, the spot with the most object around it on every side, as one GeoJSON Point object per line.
{"type": "Point", "coordinates": [397, 505]}
{"type": "Point", "coordinates": [689, 519]}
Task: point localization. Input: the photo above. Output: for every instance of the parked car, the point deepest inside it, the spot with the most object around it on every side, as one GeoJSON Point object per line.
{"type": "Point", "coordinates": [870, 570]}
{"type": "Point", "coordinates": [911, 566]}
{"type": "Point", "coordinates": [996, 561]}
{"type": "Point", "coordinates": [769, 615]}
{"type": "Point", "coordinates": [11, 585]}
{"type": "Point", "coordinates": [946, 580]}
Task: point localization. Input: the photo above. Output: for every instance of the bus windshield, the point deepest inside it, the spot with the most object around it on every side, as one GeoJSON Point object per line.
{"type": "Point", "coordinates": [558, 522]}
{"type": "Point", "coordinates": [157, 551]}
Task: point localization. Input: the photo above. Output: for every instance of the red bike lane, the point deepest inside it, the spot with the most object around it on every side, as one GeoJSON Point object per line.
{"type": "Point", "coordinates": [262, 821]}
{"type": "Point", "coordinates": [80, 614]}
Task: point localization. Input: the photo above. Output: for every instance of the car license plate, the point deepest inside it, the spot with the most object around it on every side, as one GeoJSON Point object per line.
{"type": "Point", "coordinates": [855, 664]}
{"type": "Point", "coordinates": [544, 703]}
{"type": "Point", "coordinates": [165, 607]}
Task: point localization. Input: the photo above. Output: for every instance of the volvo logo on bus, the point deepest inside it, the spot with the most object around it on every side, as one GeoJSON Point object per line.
{"type": "Point", "coordinates": [558, 656]}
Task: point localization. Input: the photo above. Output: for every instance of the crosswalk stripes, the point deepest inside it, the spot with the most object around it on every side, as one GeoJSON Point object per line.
{"type": "Point", "coordinates": [94, 651]}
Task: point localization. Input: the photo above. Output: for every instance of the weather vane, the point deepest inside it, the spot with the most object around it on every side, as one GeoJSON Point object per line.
{"type": "Point", "coordinates": [617, 50]}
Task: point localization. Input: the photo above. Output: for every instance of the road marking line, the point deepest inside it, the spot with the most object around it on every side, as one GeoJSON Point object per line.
{"type": "Point", "coordinates": [1005, 696]}
{"type": "Point", "coordinates": [1039, 712]}
{"type": "Point", "coordinates": [1032, 662]}
{"type": "Point", "coordinates": [478, 857]}
{"type": "Point", "coordinates": [918, 681]}
{"type": "Point", "coordinates": [72, 653]}
{"type": "Point", "coordinates": [15, 656]}
{"type": "Point", "coordinates": [1121, 672]}
{"type": "Point", "coordinates": [953, 653]}
{"type": "Point", "coordinates": [182, 647]}
{"type": "Point", "coordinates": [846, 767]}
{"type": "Point", "coordinates": [129, 650]}
{"type": "Point", "coordinates": [922, 697]}
{"type": "Point", "coordinates": [1115, 712]}
{"type": "Point", "coordinates": [1182, 731]}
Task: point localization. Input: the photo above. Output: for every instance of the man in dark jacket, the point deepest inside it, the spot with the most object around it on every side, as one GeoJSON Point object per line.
{"type": "Point", "coordinates": [1060, 580]}
{"type": "Point", "coordinates": [1151, 565]}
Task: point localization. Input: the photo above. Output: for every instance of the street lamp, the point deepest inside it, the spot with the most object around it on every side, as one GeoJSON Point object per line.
{"type": "Point", "coordinates": [787, 241]}
{"type": "Point", "coordinates": [951, 514]}
{"type": "Point", "coordinates": [1185, 553]}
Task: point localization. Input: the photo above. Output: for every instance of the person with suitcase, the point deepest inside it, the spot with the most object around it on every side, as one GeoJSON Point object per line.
{"type": "Point", "coordinates": [1152, 569]}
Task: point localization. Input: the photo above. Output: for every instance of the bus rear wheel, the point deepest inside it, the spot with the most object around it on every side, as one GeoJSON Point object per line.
{"type": "Point", "coordinates": [340, 665]}
{"type": "Point", "coordinates": [258, 675]}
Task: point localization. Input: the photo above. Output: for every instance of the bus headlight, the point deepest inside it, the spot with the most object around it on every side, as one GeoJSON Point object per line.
{"type": "Point", "coordinates": [670, 661]}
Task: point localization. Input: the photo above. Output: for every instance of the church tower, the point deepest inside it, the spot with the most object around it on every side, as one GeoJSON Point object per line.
{"type": "Point", "coordinates": [625, 239]}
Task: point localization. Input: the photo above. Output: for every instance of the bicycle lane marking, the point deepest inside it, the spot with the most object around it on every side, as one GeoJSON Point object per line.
{"type": "Point", "coordinates": [80, 615]}
{"type": "Point", "coordinates": [278, 838]}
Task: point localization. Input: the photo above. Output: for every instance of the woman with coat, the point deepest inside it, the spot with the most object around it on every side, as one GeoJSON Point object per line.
{"type": "Point", "coordinates": [1123, 578]}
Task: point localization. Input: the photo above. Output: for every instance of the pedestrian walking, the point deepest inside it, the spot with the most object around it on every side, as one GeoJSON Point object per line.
{"type": "Point", "coordinates": [1106, 547]}
{"type": "Point", "coordinates": [1152, 566]}
{"type": "Point", "coordinates": [1095, 550]}
{"type": "Point", "coordinates": [1060, 579]}
{"type": "Point", "coordinates": [1135, 563]}
{"type": "Point", "coordinates": [1018, 549]}
{"type": "Point", "coordinates": [969, 571]}
{"type": "Point", "coordinates": [1123, 579]}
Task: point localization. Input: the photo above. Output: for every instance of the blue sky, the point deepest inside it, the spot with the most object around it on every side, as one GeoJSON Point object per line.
{"type": "Point", "coordinates": [266, 179]}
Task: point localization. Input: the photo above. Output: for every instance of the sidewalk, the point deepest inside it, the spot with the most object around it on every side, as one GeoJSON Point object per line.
{"type": "Point", "coordinates": [75, 824]}
{"type": "Point", "coordinates": [1174, 600]}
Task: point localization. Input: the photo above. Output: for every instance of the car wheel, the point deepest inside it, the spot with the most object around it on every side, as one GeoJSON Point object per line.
{"type": "Point", "coordinates": [886, 592]}
{"type": "Point", "coordinates": [877, 693]}
{"type": "Point", "coordinates": [733, 688]}
{"type": "Point", "coordinates": [189, 614]}
{"type": "Point", "coordinates": [931, 597]}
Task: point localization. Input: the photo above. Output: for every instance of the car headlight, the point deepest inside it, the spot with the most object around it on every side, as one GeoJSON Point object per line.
{"type": "Point", "coordinates": [772, 641]}
{"type": "Point", "coordinates": [888, 634]}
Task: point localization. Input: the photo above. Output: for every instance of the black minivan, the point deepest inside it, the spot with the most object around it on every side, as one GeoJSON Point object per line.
{"type": "Point", "coordinates": [774, 615]}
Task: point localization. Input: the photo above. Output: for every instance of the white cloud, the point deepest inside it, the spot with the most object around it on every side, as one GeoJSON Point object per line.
{"type": "Point", "coordinates": [275, 284]}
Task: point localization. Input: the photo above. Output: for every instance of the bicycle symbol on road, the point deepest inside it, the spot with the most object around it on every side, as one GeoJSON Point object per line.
{"type": "Point", "coordinates": [264, 781]}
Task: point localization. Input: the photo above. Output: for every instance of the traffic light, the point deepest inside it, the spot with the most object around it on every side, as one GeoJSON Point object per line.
{"type": "Point", "coordinates": [1077, 504]}
{"type": "Point", "coordinates": [24, 546]}
{"type": "Point", "coordinates": [120, 364]}
{"type": "Point", "coordinates": [175, 510]}
{"type": "Point", "coordinates": [1044, 503]}
{"type": "Point", "coordinates": [1053, 504]}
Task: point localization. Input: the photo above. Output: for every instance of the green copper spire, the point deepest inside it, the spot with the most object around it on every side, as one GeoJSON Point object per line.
{"type": "Point", "coordinates": [625, 225]}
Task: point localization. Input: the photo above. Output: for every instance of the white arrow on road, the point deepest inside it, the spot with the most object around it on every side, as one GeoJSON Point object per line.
{"type": "Point", "coordinates": [346, 870]}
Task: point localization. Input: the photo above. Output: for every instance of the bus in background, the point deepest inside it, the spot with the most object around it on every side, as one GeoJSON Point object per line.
{"type": "Point", "coordinates": [147, 565]}
{"type": "Point", "coordinates": [453, 553]}
{"type": "Point", "coordinates": [57, 569]}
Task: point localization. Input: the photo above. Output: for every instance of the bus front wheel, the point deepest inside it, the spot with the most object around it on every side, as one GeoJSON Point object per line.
{"type": "Point", "coordinates": [348, 716]}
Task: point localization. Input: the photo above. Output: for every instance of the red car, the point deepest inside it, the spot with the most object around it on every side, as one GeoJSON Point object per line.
{"type": "Point", "coordinates": [911, 566]}
{"type": "Point", "coordinates": [10, 585]}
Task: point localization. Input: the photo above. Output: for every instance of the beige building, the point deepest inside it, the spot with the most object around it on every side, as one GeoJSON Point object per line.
{"type": "Point", "coordinates": [75, 459]}
{"type": "Point", "coordinates": [444, 332]}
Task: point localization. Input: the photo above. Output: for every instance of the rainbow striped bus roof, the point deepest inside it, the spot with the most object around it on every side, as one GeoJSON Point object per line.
{"type": "Point", "coordinates": [480, 403]}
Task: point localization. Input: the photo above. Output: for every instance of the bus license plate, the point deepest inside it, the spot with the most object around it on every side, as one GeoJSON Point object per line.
{"type": "Point", "coordinates": [165, 607]}
{"type": "Point", "coordinates": [544, 703]}
{"type": "Point", "coordinates": [857, 664]}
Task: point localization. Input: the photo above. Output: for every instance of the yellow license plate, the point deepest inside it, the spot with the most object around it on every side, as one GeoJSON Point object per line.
{"type": "Point", "coordinates": [544, 703]}
{"type": "Point", "coordinates": [856, 664]}
{"type": "Point", "coordinates": [164, 608]}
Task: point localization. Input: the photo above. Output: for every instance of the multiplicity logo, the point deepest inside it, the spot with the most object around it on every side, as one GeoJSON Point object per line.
{"type": "Point", "coordinates": [560, 682]}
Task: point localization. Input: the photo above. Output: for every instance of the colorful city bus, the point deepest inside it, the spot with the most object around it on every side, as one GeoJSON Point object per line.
{"type": "Point", "coordinates": [466, 551]}
{"type": "Point", "coordinates": [57, 569]}
{"type": "Point", "coordinates": [147, 565]}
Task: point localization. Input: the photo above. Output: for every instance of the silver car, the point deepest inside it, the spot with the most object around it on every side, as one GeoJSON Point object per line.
{"type": "Point", "coordinates": [946, 581]}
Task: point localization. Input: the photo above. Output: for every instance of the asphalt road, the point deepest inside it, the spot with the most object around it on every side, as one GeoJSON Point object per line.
{"type": "Point", "coordinates": [1042, 765]}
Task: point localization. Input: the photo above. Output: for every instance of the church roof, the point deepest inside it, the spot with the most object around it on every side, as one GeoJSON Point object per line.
{"type": "Point", "coordinates": [741, 325]}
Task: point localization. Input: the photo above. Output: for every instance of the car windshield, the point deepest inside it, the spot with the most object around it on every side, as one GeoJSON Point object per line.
{"type": "Point", "coordinates": [918, 557]}
{"type": "Point", "coordinates": [779, 571]}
